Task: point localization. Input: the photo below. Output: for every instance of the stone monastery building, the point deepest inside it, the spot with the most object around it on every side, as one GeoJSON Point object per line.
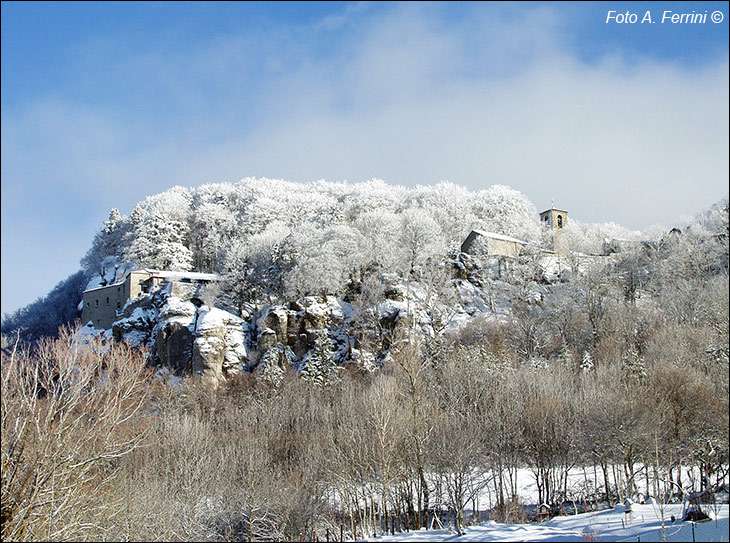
{"type": "Point", "coordinates": [556, 220]}
{"type": "Point", "coordinates": [493, 244]}
{"type": "Point", "coordinates": [103, 305]}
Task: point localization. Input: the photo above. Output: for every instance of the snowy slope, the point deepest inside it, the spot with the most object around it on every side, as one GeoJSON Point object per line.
{"type": "Point", "coordinates": [608, 525]}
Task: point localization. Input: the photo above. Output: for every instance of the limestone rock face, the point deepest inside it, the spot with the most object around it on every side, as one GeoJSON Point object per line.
{"type": "Point", "coordinates": [266, 339]}
{"type": "Point", "coordinates": [235, 355]}
{"type": "Point", "coordinates": [218, 348]}
{"type": "Point", "coordinates": [286, 334]}
{"type": "Point", "coordinates": [315, 316]}
{"type": "Point", "coordinates": [276, 320]}
{"type": "Point", "coordinates": [213, 344]}
{"type": "Point", "coordinates": [392, 289]}
{"type": "Point", "coordinates": [176, 309]}
{"type": "Point", "coordinates": [208, 342]}
{"type": "Point", "coordinates": [190, 338]}
{"type": "Point", "coordinates": [174, 346]}
{"type": "Point", "coordinates": [173, 334]}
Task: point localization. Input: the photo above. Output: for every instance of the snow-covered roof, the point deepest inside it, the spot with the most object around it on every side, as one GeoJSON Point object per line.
{"type": "Point", "coordinates": [500, 237]}
{"type": "Point", "coordinates": [120, 283]}
{"type": "Point", "coordinates": [172, 275]}
{"type": "Point", "coordinates": [196, 276]}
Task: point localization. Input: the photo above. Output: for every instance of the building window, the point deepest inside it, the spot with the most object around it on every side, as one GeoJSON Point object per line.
{"type": "Point", "coordinates": [560, 221]}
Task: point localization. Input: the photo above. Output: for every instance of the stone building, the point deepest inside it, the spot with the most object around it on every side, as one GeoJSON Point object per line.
{"type": "Point", "coordinates": [103, 305]}
{"type": "Point", "coordinates": [556, 221]}
{"type": "Point", "coordinates": [492, 244]}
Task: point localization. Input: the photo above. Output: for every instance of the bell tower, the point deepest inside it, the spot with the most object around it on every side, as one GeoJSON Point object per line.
{"type": "Point", "coordinates": [556, 221]}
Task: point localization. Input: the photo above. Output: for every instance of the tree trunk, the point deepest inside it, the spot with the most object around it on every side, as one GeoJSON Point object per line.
{"type": "Point", "coordinates": [607, 484]}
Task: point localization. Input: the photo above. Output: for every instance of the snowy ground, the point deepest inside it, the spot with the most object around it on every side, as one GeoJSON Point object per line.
{"type": "Point", "coordinates": [608, 525]}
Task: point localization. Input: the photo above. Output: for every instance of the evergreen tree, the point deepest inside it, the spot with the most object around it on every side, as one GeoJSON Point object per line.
{"type": "Point", "coordinates": [587, 362]}
{"type": "Point", "coordinates": [271, 371]}
{"type": "Point", "coordinates": [633, 363]}
{"type": "Point", "coordinates": [320, 366]}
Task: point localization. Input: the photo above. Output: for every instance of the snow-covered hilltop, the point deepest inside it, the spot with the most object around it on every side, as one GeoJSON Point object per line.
{"type": "Point", "coordinates": [285, 251]}
{"type": "Point", "coordinates": [306, 275]}
{"type": "Point", "coordinates": [387, 356]}
{"type": "Point", "coordinates": [283, 238]}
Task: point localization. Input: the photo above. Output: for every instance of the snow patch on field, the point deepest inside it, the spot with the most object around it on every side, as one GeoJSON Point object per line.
{"type": "Point", "coordinates": [644, 523]}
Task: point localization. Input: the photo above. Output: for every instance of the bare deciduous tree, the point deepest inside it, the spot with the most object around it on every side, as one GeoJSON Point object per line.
{"type": "Point", "coordinates": [70, 412]}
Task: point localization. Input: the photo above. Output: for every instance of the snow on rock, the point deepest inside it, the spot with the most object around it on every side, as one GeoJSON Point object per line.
{"type": "Point", "coordinates": [88, 332]}
{"type": "Point", "coordinates": [391, 310]}
{"type": "Point", "coordinates": [136, 328]}
{"type": "Point", "coordinates": [236, 351]}
{"type": "Point", "coordinates": [178, 310]}
{"type": "Point", "coordinates": [219, 348]}
{"type": "Point", "coordinates": [182, 337]}
{"type": "Point", "coordinates": [215, 344]}
{"type": "Point", "coordinates": [286, 335]}
{"type": "Point", "coordinates": [211, 319]}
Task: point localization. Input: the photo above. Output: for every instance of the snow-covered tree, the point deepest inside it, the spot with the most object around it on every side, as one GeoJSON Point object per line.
{"type": "Point", "coordinates": [373, 195]}
{"type": "Point", "coordinates": [251, 268]}
{"type": "Point", "coordinates": [213, 228]}
{"type": "Point", "coordinates": [319, 365]}
{"type": "Point", "coordinates": [42, 318]}
{"type": "Point", "coordinates": [108, 242]}
{"type": "Point", "coordinates": [420, 238]}
{"type": "Point", "coordinates": [160, 232]}
{"type": "Point", "coordinates": [159, 242]}
{"type": "Point", "coordinates": [113, 232]}
{"type": "Point", "coordinates": [506, 211]}
{"type": "Point", "coordinates": [633, 363]}
{"type": "Point", "coordinates": [586, 363]}
{"type": "Point", "coordinates": [322, 261]}
{"type": "Point", "coordinates": [380, 230]}
{"type": "Point", "coordinates": [450, 206]}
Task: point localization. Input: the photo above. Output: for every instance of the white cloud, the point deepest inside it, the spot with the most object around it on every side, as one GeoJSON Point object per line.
{"type": "Point", "coordinates": [631, 142]}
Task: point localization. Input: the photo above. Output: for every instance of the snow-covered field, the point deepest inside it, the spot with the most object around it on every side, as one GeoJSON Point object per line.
{"type": "Point", "coordinates": [607, 525]}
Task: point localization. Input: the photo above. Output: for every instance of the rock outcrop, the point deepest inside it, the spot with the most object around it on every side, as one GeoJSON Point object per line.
{"type": "Point", "coordinates": [185, 337]}
{"type": "Point", "coordinates": [219, 349]}
{"type": "Point", "coordinates": [174, 335]}
{"type": "Point", "coordinates": [188, 337]}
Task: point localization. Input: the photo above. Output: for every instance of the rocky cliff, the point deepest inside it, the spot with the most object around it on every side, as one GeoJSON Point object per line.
{"type": "Point", "coordinates": [188, 337]}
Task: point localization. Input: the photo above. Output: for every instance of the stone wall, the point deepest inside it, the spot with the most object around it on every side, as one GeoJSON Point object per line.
{"type": "Point", "coordinates": [101, 304]}
{"type": "Point", "coordinates": [500, 247]}
{"type": "Point", "coordinates": [491, 244]}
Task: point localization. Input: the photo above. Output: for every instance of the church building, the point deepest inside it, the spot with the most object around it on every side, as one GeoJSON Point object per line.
{"type": "Point", "coordinates": [556, 221]}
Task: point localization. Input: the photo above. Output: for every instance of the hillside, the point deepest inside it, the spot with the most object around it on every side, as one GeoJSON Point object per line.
{"type": "Point", "coordinates": [351, 269]}
{"type": "Point", "coordinates": [325, 359]}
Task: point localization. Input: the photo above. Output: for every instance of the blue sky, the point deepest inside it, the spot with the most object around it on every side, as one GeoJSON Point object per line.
{"type": "Point", "coordinates": [104, 104]}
